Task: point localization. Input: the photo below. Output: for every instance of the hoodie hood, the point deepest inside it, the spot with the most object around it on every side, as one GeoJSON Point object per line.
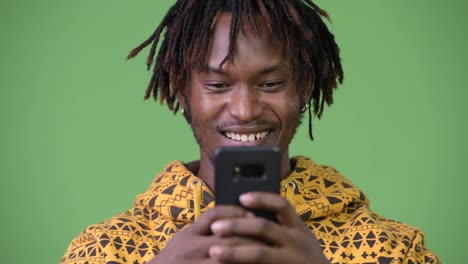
{"type": "Point", "coordinates": [314, 190]}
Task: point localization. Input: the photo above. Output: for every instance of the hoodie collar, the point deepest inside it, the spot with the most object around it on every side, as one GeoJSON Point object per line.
{"type": "Point", "coordinates": [317, 191]}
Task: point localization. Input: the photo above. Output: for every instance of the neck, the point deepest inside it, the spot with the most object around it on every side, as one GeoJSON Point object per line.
{"type": "Point", "coordinates": [207, 174]}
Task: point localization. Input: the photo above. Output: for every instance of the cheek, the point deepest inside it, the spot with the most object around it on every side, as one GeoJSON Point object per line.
{"type": "Point", "coordinates": [207, 106]}
{"type": "Point", "coordinates": [294, 105]}
{"type": "Point", "coordinates": [206, 114]}
{"type": "Point", "coordinates": [288, 108]}
{"type": "Point", "coordinates": [289, 116]}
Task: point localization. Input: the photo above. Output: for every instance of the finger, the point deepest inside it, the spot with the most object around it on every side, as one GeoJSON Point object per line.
{"type": "Point", "coordinates": [245, 254]}
{"type": "Point", "coordinates": [224, 242]}
{"type": "Point", "coordinates": [274, 203]}
{"type": "Point", "coordinates": [257, 227]}
{"type": "Point", "coordinates": [236, 241]}
{"type": "Point", "coordinates": [202, 225]}
{"type": "Point", "coordinates": [209, 261]}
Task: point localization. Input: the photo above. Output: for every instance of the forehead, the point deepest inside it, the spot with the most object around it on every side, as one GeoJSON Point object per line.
{"type": "Point", "coordinates": [249, 46]}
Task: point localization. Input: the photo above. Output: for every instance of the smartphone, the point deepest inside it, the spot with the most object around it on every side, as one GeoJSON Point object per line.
{"type": "Point", "coordinates": [244, 169]}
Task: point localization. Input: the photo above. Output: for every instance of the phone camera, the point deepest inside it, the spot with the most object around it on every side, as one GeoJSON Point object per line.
{"type": "Point", "coordinates": [249, 171]}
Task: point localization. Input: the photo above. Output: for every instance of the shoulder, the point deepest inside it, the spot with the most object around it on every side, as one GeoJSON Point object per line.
{"type": "Point", "coordinates": [402, 241]}
{"type": "Point", "coordinates": [349, 231]}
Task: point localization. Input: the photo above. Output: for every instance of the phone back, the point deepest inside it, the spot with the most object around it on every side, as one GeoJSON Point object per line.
{"type": "Point", "coordinates": [244, 169]}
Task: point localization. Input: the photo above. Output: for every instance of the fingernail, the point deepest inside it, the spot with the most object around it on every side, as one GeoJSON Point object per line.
{"type": "Point", "coordinates": [218, 226]}
{"type": "Point", "coordinates": [245, 198]}
{"type": "Point", "coordinates": [249, 215]}
{"type": "Point", "coordinates": [215, 251]}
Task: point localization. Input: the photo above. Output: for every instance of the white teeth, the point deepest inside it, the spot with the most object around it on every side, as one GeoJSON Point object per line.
{"type": "Point", "coordinates": [246, 137]}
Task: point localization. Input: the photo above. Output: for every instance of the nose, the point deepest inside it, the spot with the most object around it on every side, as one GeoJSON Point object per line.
{"type": "Point", "coordinates": [245, 104]}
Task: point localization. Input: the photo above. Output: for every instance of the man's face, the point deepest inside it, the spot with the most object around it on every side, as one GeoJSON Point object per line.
{"type": "Point", "coordinates": [252, 100]}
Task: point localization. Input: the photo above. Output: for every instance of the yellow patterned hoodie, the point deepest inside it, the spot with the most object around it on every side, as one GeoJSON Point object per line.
{"type": "Point", "coordinates": [331, 206]}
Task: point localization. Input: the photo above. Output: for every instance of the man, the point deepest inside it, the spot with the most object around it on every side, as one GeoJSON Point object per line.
{"type": "Point", "coordinates": [243, 72]}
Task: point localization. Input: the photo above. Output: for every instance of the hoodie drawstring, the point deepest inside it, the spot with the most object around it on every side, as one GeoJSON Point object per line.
{"type": "Point", "coordinates": [290, 188]}
{"type": "Point", "coordinates": [196, 186]}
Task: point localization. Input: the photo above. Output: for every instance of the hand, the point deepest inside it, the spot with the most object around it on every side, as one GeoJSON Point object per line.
{"type": "Point", "coordinates": [191, 244]}
{"type": "Point", "coordinates": [288, 241]}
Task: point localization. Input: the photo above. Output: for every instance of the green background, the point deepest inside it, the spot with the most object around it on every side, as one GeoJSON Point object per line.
{"type": "Point", "coordinates": [78, 142]}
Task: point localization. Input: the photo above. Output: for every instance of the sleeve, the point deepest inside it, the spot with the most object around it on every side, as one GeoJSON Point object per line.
{"type": "Point", "coordinates": [124, 238]}
{"type": "Point", "coordinates": [418, 253]}
{"type": "Point", "coordinates": [84, 249]}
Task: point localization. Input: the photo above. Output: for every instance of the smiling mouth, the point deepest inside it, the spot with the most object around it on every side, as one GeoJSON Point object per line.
{"type": "Point", "coordinates": [248, 137]}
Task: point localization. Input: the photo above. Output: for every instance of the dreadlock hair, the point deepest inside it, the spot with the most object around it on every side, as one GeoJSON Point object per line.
{"type": "Point", "coordinates": [188, 27]}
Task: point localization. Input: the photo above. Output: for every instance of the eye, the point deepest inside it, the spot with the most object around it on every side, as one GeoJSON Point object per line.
{"type": "Point", "coordinates": [216, 86]}
{"type": "Point", "coordinates": [272, 85]}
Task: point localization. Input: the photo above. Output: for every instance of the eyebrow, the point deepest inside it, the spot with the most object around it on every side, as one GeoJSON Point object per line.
{"type": "Point", "coordinates": [267, 70]}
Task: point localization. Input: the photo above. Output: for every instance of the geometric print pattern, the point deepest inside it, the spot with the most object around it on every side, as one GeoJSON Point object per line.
{"type": "Point", "coordinates": [330, 205]}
